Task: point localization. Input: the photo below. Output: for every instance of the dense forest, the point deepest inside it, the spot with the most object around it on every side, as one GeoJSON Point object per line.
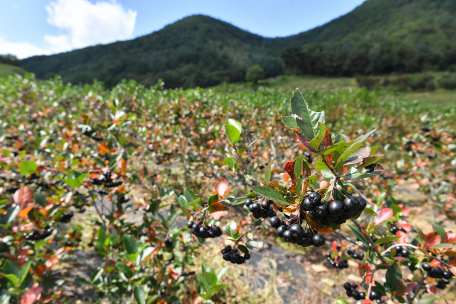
{"type": "Point", "coordinates": [378, 37]}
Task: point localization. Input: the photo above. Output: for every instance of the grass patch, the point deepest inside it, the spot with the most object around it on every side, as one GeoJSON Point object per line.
{"type": "Point", "coordinates": [7, 70]}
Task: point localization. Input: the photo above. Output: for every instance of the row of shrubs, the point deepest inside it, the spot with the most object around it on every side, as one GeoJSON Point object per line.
{"type": "Point", "coordinates": [418, 82]}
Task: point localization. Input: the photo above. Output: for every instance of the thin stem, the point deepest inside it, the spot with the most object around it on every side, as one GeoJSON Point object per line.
{"type": "Point", "coordinates": [419, 286]}
{"type": "Point", "coordinates": [372, 243]}
{"type": "Point", "coordinates": [370, 284]}
{"type": "Point", "coordinates": [416, 248]}
{"type": "Point", "coordinates": [350, 240]}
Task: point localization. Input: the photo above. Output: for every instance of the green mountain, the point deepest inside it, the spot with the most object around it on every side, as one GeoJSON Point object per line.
{"type": "Point", "coordinates": [8, 69]}
{"type": "Point", "coordinates": [379, 36]}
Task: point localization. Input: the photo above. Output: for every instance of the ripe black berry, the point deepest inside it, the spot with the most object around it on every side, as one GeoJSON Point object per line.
{"type": "Point", "coordinates": [255, 208]}
{"type": "Point", "coordinates": [307, 205]}
{"type": "Point", "coordinates": [336, 208]}
{"type": "Point", "coordinates": [318, 240]}
{"type": "Point", "coordinates": [447, 275]}
{"type": "Point", "coordinates": [248, 202]}
{"type": "Point", "coordinates": [362, 204]}
{"type": "Point", "coordinates": [287, 236]}
{"type": "Point", "coordinates": [351, 203]}
{"type": "Point", "coordinates": [265, 205]}
{"type": "Point", "coordinates": [315, 216]}
{"type": "Point", "coordinates": [436, 272]}
{"type": "Point", "coordinates": [190, 224]}
{"type": "Point", "coordinates": [296, 231]}
{"type": "Point", "coordinates": [322, 209]}
{"type": "Point", "coordinates": [375, 295]}
{"type": "Point", "coordinates": [347, 286]}
{"type": "Point", "coordinates": [362, 295]}
{"type": "Point", "coordinates": [426, 267]}
{"type": "Point", "coordinates": [315, 198]}
{"type": "Point", "coordinates": [168, 242]}
{"type": "Point", "coordinates": [275, 222]}
{"type": "Point", "coordinates": [440, 284]}
{"type": "Point", "coordinates": [281, 230]}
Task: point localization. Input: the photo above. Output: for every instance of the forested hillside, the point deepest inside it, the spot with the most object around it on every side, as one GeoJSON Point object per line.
{"type": "Point", "coordinates": [378, 37]}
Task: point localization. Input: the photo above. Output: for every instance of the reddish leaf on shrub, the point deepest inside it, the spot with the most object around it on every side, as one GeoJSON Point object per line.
{"type": "Point", "coordinates": [23, 197]}
{"type": "Point", "coordinates": [31, 295]}
{"type": "Point", "coordinates": [383, 215]}
{"type": "Point", "coordinates": [404, 225]}
{"type": "Point", "coordinates": [218, 214]}
{"type": "Point", "coordinates": [403, 237]}
{"type": "Point", "coordinates": [217, 207]}
{"type": "Point", "coordinates": [103, 149]}
{"type": "Point", "coordinates": [366, 301]}
{"type": "Point", "coordinates": [432, 239]}
{"type": "Point", "coordinates": [198, 300]}
{"type": "Point", "coordinates": [450, 238]}
{"type": "Point", "coordinates": [405, 210]}
{"type": "Point", "coordinates": [334, 245]}
{"type": "Point", "coordinates": [289, 168]}
{"type": "Point", "coordinates": [222, 187]}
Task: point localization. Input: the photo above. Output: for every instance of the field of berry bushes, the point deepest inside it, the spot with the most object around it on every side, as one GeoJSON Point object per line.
{"type": "Point", "coordinates": [147, 195]}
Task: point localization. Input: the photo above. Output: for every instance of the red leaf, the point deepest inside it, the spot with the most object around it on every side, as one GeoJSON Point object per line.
{"type": "Point", "coordinates": [405, 210]}
{"type": "Point", "coordinates": [198, 300]}
{"type": "Point", "coordinates": [289, 168]}
{"type": "Point", "coordinates": [334, 245]}
{"type": "Point", "coordinates": [217, 207]}
{"type": "Point", "coordinates": [411, 287]}
{"type": "Point", "coordinates": [23, 197]}
{"type": "Point", "coordinates": [327, 142]}
{"type": "Point", "coordinates": [404, 225]}
{"type": "Point", "coordinates": [103, 149]}
{"type": "Point", "coordinates": [432, 239]}
{"type": "Point", "coordinates": [305, 143]}
{"type": "Point", "coordinates": [403, 237]}
{"type": "Point", "coordinates": [218, 214]}
{"type": "Point", "coordinates": [400, 259]}
{"type": "Point", "coordinates": [222, 187]}
{"type": "Point", "coordinates": [31, 295]}
{"type": "Point", "coordinates": [337, 259]}
{"type": "Point", "coordinates": [383, 215]}
{"type": "Point", "coordinates": [450, 238]}
{"type": "Point", "coordinates": [366, 301]}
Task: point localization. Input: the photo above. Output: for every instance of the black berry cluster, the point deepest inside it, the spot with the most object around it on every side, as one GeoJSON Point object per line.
{"type": "Point", "coordinates": [35, 235]}
{"type": "Point", "coordinates": [66, 217]}
{"type": "Point", "coordinates": [355, 255]}
{"type": "Point", "coordinates": [334, 211]}
{"type": "Point", "coordinates": [438, 273]}
{"type": "Point", "coordinates": [168, 242]}
{"type": "Point", "coordinates": [341, 265]}
{"type": "Point", "coordinates": [351, 291]}
{"type": "Point", "coordinates": [91, 133]}
{"type": "Point", "coordinates": [201, 231]}
{"type": "Point", "coordinates": [294, 233]}
{"type": "Point", "coordinates": [232, 255]}
{"type": "Point", "coordinates": [260, 210]}
{"type": "Point", "coordinates": [395, 229]}
{"type": "Point", "coordinates": [106, 180]}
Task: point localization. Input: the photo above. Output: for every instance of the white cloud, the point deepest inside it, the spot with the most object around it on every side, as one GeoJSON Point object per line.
{"type": "Point", "coordinates": [88, 24]}
{"type": "Point", "coordinates": [21, 49]}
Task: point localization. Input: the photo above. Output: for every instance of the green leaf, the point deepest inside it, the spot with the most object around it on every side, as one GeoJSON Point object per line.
{"type": "Point", "coordinates": [393, 276]}
{"type": "Point", "coordinates": [270, 194]}
{"type": "Point", "coordinates": [327, 174]}
{"type": "Point", "coordinates": [386, 240]}
{"type": "Point", "coordinates": [96, 275]}
{"type": "Point", "coordinates": [27, 167]}
{"type": "Point", "coordinates": [321, 128]}
{"type": "Point", "coordinates": [299, 182]}
{"type": "Point", "coordinates": [230, 228]}
{"type": "Point", "coordinates": [352, 148]}
{"type": "Point", "coordinates": [190, 196]}
{"type": "Point", "coordinates": [340, 300]}
{"type": "Point", "coordinates": [72, 182]}
{"type": "Point", "coordinates": [130, 244]}
{"type": "Point", "coordinates": [13, 279]}
{"type": "Point", "coordinates": [439, 229]}
{"type": "Point", "coordinates": [10, 214]}
{"type": "Point", "coordinates": [82, 281]}
{"type": "Point", "coordinates": [211, 278]}
{"type": "Point", "coordinates": [206, 268]}
{"type": "Point", "coordinates": [9, 267]}
{"type": "Point", "coordinates": [25, 270]}
{"type": "Point", "coordinates": [203, 282]}
{"type": "Point", "coordinates": [243, 249]}
{"type": "Point", "coordinates": [140, 295]}
{"type": "Point", "coordinates": [267, 175]}
{"type": "Point", "coordinates": [221, 273]}
{"type": "Point", "coordinates": [231, 163]}
{"type": "Point", "coordinates": [124, 269]}
{"type": "Point", "coordinates": [290, 122]}
{"type": "Point", "coordinates": [340, 138]}
{"type": "Point", "coordinates": [217, 288]}
{"type": "Point", "coordinates": [298, 166]}
{"type": "Point", "coordinates": [5, 299]}
{"type": "Point", "coordinates": [40, 199]}
{"type": "Point", "coordinates": [144, 254]}
{"type": "Point", "coordinates": [308, 120]}
{"type": "Point", "coordinates": [359, 235]}
{"type": "Point", "coordinates": [429, 300]}
{"type": "Point", "coordinates": [420, 233]}
{"type": "Point", "coordinates": [441, 246]}
{"type": "Point", "coordinates": [233, 130]}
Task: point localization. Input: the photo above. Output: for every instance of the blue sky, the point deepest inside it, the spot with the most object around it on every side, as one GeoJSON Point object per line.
{"type": "Point", "coordinates": [33, 27]}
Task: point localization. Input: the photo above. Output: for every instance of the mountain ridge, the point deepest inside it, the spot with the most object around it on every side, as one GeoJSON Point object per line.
{"type": "Point", "coordinates": [199, 50]}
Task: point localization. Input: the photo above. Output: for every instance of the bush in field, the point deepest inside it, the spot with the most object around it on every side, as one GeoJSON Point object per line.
{"type": "Point", "coordinates": [65, 151]}
{"type": "Point", "coordinates": [254, 73]}
{"type": "Point", "coordinates": [448, 82]}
